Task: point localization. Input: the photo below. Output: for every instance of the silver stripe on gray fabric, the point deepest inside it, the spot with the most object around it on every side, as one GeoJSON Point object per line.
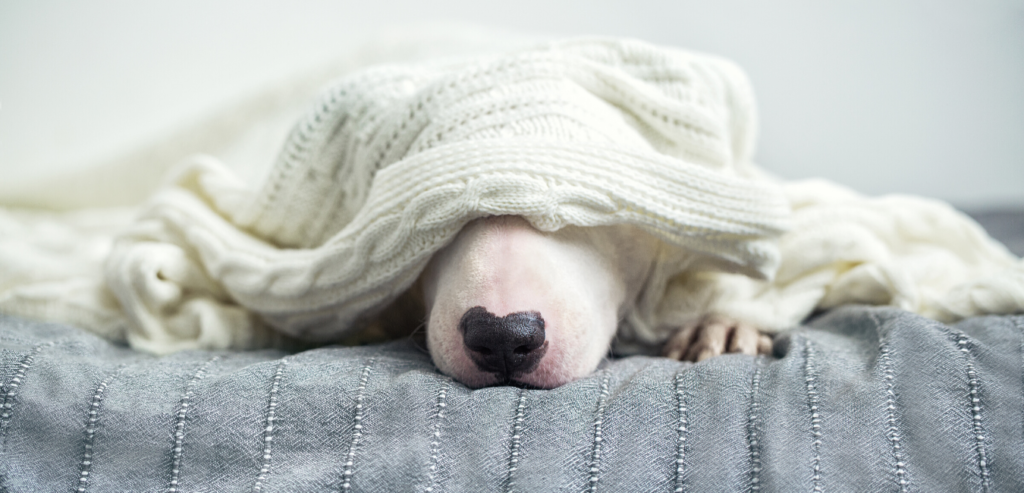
{"type": "Point", "coordinates": [92, 420]}
{"type": "Point", "coordinates": [974, 394]}
{"type": "Point", "coordinates": [681, 430]}
{"type": "Point", "coordinates": [11, 388]}
{"type": "Point", "coordinates": [357, 427]}
{"type": "Point", "coordinates": [753, 423]}
{"type": "Point", "coordinates": [892, 431]}
{"type": "Point", "coordinates": [268, 430]}
{"type": "Point", "coordinates": [595, 458]}
{"type": "Point", "coordinates": [514, 445]}
{"type": "Point", "coordinates": [810, 377]}
{"type": "Point", "coordinates": [179, 424]}
{"type": "Point", "coordinates": [435, 439]}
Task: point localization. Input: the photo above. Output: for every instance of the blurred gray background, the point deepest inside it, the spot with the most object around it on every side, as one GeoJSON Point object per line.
{"type": "Point", "coordinates": [922, 97]}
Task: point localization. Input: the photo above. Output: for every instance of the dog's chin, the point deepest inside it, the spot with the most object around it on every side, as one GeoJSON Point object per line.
{"type": "Point", "coordinates": [562, 364]}
{"type": "Point", "coordinates": [539, 379]}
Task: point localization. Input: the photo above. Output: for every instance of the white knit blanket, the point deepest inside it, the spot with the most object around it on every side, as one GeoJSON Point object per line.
{"type": "Point", "coordinates": [391, 162]}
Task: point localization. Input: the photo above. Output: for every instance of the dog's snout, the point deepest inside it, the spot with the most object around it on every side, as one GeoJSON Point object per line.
{"type": "Point", "coordinates": [507, 346]}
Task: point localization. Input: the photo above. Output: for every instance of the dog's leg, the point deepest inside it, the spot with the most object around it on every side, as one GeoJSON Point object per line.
{"type": "Point", "coordinates": [713, 335]}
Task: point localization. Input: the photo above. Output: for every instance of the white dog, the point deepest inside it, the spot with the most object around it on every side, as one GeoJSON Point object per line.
{"type": "Point", "coordinates": [507, 304]}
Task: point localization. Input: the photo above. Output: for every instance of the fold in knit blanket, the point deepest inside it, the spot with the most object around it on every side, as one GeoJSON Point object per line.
{"type": "Point", "coordinates": [392, 161]}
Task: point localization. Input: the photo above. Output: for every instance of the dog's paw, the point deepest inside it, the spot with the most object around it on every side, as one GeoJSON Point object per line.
{"type": "Point", "coordinates": [714, 335]}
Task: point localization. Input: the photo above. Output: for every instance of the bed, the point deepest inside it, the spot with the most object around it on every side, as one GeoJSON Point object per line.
{"type": "Point", "coordinates": [860, 399]}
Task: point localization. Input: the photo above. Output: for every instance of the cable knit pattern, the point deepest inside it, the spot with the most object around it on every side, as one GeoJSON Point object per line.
{"type": "Point", "coordinates": [393, 161]}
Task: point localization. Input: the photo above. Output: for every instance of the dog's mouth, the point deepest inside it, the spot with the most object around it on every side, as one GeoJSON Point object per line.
{"type": "Point", "coordinates": [516, 383]}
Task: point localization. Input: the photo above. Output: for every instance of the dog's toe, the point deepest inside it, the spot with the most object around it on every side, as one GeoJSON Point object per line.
{"type": "Point", "coordinates": [714, 335]}
{"type": "Point", "coordinates": [677, 346]}
{"type": "Point", "coordinates": [744, 339]}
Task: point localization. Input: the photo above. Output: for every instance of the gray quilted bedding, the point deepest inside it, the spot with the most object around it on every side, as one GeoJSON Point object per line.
{"type": "Point", "coordinates": [863, 399]}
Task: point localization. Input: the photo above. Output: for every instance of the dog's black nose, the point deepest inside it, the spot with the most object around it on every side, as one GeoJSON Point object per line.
{"type": "Point", "coordinates": [507, 346]}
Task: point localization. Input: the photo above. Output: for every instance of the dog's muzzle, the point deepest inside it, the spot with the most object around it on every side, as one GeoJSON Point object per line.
{"type": "Point", "coordinates": [509, 346]}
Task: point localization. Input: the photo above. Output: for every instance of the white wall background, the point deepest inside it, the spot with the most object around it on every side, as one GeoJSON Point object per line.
{"type": "Point", "coordinates": [916, 96]}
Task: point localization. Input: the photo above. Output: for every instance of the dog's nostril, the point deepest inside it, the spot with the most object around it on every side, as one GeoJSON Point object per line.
{"type": "Point", "coordinates": [508, 346]}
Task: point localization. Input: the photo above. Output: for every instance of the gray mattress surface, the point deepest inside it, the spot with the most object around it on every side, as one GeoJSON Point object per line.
{"type": "Point", "coordinates": [863, 399]}
{"type": "Point", "coordinates": [1004, 224]}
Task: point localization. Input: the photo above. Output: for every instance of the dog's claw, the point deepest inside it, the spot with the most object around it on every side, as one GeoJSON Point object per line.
{"type": "Point", "coordinates": [715, 335]}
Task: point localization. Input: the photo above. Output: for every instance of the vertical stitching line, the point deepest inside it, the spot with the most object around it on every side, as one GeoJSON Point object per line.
{"type": "Point", "coordinates": [517, 430]}
{"type": "Point", "coordinates": [90, 427]}
{"type": "Point", "coordinates": [435, 443]}
{"type": "Point", "coordinates": [11, 392]}
{"type": "Point", "coordinates": [973, 386]}
{"type": "Point", "coordinates": [1019, 322]}
{"type": "Point", "coordinates": [179, 425]}
{"type": "Point", "coordinates": [357, 426]}
{"type": "Point", "coordinates": [268, 430]}
{"type": "Point", "coordinates": [892, 431]}
{"type": "Point", "coordinates": [681, 429]}
{"type": "Point", "coordinates": [752, 438]}
{"type": "Point", "coordinates": [812, 404]}
{"type": "Point", "coordinates": [595, 460]}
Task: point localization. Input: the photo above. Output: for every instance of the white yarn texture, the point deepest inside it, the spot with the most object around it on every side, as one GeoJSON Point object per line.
{"type": "Point", "coordinates": [391, 162]}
